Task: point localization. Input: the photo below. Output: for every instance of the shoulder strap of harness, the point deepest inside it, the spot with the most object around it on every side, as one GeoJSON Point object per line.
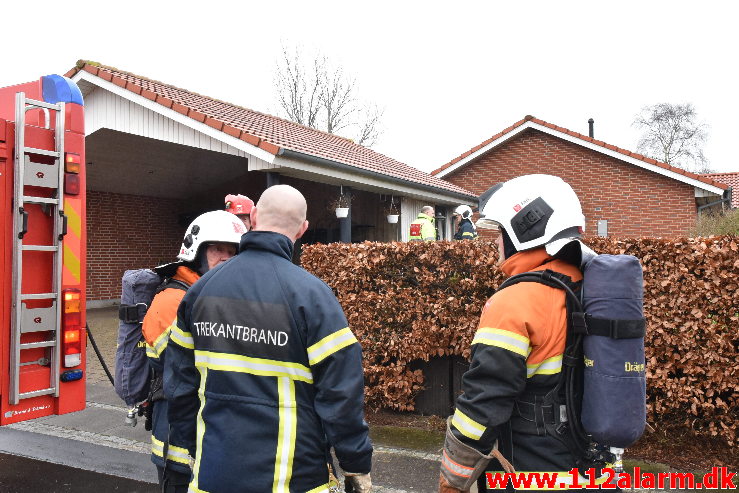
{"type": "Point", "coordinates": [169, 282]}
{"type": "Point", "coordinates": [563, 403]}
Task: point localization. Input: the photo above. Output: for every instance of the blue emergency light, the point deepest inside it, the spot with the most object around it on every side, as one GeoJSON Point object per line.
{"type": "Point", "coordinates": [58, 89]}
{"type": "Point", "coordinates": [71, 375]}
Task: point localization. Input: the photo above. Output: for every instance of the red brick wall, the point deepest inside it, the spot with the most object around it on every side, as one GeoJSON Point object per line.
{"type": "Point", "coordinates": [636, 202]}
{"type": "Point", "coordinates": [127, 232]}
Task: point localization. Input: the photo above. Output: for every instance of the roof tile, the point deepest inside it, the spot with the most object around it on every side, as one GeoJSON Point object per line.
{"type": "Point", "coordinates": [119, 82]}
{"type": "Point", "coordinates": [269, 147]}
{"type": "Point", "coordinates": [272, 133]}
{"type": "Point", "coordinates": [196, 115]}
{"type": "Point", "coordinates": [164, 101]}
{"type": "Point", "coordinates": [232, 131]}
{"type": "Point", "coordinates": [250, 139]}
{"type": "Point", "coordinates": [135, 88]}
{"type": "Point", "coordinates": [212, 122]}
{"type": "Point", "coordinates": [180, 108]}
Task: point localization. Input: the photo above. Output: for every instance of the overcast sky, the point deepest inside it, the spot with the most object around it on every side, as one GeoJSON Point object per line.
{"type": "Point", "coordinates": [449, 74]}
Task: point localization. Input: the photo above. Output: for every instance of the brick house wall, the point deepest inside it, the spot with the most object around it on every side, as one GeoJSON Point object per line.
{"type": "Point", "coordinates": [127, 232]}
{"type": "Point", "coordinates": [634, 201]}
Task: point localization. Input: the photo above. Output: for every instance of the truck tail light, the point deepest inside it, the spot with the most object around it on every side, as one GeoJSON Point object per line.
{"type": "Point", "coordinates": [71, 184]}
{"type": "Point", "coordinates": [71, 162]}
{"type": "Point", "coordinates": [72, 328]}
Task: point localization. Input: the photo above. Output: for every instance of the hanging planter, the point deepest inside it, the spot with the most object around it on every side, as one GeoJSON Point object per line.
{"type": "Point", "coordinates": [392, 212]}
{"type": "Point", "coordinates": [340, 205]}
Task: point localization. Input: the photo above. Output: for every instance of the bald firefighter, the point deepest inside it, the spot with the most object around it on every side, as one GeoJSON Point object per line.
{"type": "Point", "coordinates": [423, 228]}
{"type": "Point", "coordinates": [264, 374]}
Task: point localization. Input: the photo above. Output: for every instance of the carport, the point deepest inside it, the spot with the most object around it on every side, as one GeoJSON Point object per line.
{"type": "Point", "coordinates": [157, 156]}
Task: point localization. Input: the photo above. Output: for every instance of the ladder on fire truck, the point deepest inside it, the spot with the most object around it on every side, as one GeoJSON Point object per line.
{"type": "Point", "coordinates": [28, 173]}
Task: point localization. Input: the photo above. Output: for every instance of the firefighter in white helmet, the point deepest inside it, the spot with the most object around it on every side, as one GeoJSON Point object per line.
{"type": "Point", "coordinates": [466, 229]}
{"type": "Point", "coordinates": [211, 239]}
{"type": "Point", "coordinates": [517, 350]}
{"type": "Point", "coordinates": [241, 206]}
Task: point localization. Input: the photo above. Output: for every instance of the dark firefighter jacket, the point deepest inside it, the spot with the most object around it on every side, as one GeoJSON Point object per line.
{"type": "Point", "coordinates": [465, 231]}
{"type": "Point", "coordinates": [422, 229]}
{"type": "Point", "coordinates": [263, 375]}
{"type": "Point", "coordinates": [156, 327]}
{"type": "Point", "coordinates": [517, 349]}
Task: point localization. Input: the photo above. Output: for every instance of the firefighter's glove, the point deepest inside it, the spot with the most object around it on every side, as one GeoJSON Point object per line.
{"type": "Point", "coordinates": [361, 483]}
{"type": "Point", "coordinates": [461, 464]}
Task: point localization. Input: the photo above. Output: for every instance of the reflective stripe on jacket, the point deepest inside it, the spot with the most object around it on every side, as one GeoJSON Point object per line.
{"type": "Point", "coordinates": [263, 375]}
{"type": "Point", "coordinates": [465, 231]}
{"type": "Point", "coordinates": [156, 328]}
{"type": "Point", "coordinates": [422, 229]}
{"type": "Point", "coordinates": [518, 347]}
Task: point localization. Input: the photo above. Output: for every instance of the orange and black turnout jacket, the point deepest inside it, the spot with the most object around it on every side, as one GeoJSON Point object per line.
{"type": "Point", "coordinates": [517, 350]}
{"type": "Point", "coordinates": [156, 329]}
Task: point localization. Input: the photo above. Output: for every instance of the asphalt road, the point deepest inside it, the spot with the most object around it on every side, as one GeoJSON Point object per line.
{"type": "Point", "coordinates": [24, 475]}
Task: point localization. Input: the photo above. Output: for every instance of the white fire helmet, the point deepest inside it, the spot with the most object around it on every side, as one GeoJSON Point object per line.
{"type": "Point", "coordinates": [535, 210]}
{"type": "Point", "coordinates": [464, 210]}
{"type": "Point", "coordinates": [214, 226]}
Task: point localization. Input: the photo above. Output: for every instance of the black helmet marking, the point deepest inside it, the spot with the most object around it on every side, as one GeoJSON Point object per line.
{"type": "Point", "coordinates": [530, 223]}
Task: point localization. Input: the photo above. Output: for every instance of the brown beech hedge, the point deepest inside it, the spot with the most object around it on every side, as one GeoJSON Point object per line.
{"type": "Point", "coordinates": [411, 301]}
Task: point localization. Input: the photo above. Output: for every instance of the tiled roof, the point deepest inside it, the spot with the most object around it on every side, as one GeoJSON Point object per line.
{"type": "Point", "coordinates": [633, 155]}
{"type": "Point", "coordinates": [267, 132]}
{"type": "Point", "coordinates": [730, 179]}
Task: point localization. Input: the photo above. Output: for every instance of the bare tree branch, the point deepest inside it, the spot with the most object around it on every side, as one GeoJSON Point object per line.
{"type": "Point", "coordinates": [369, 128]}
{"type": "Point", "coordinates": [324, 97]}
{"type": "Point", "coordinates": [337, 98]}
{"type": "Point", "coordinates": [672, 135]}
{"type": "Point", "coordinates": [298, 90]}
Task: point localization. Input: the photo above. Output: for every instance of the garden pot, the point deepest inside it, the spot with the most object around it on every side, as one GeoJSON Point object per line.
{"type": "Point", "coordinates": [342, 212]}
{"type": "Point", "coordinates": [392, 218]}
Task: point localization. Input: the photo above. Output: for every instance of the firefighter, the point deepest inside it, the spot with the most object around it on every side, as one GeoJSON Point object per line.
{"type": "Point", "coordinates": [466, 230]}
{"type": "Point", "coordinates": [241, 206]}
{"type": "Point", "coordinates": [263, 374]}
{"type": "Point", "coordinates": [211, 239]}
{"type": "Point", "coordinates": [423, 228]}
{"type": "Point", "coordinates": [517, 350]}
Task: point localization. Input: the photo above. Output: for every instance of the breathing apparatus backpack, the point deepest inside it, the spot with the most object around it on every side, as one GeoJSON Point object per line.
{"type": "Point", "coordinates": [135, 381]}
{"type": "Point", "coordinates": [598, 407]}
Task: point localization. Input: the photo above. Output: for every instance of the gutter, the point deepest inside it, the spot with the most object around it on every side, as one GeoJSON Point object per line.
{"type": "Point", "coordinates": [374, 174]}
{"type": "Point", "coordinates": [726, 198]}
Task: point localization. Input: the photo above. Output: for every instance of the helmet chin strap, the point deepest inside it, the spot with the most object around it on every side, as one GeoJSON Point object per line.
{"type": "Point", "coordinates": [201, 260]}
{"type": "Point", "coordinates": [508, 249]}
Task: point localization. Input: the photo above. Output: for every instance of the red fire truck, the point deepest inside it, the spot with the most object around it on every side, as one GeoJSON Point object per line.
{"type": "Point", "coordinates": [42, 250]}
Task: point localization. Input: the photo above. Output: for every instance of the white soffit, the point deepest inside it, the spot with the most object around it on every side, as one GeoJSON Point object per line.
{"type": "Point", "coordinates": [590, 145]}
{"type": "Point", "coordinates": [175, 116]}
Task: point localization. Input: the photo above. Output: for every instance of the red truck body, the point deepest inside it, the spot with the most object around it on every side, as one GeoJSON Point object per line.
{"type": "Point", "coordinates": [42, 288]}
